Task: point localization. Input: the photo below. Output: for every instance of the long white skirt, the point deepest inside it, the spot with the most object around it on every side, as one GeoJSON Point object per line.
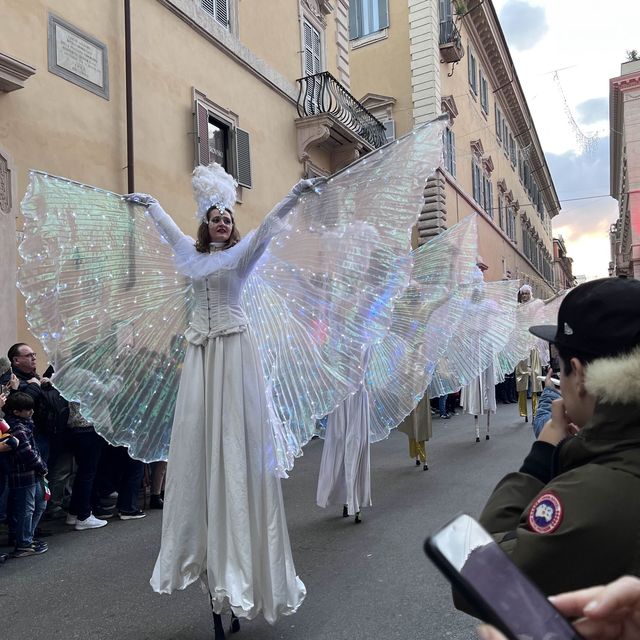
{"type": "Point", "coordinates": [345, 476]}
{"type": "Point", "coordinates": [223, 518]}
{"type": "Point", "coordinates": [479, 396]}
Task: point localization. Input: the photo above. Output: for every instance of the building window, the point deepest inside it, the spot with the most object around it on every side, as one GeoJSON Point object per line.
{"type": "Point", "coordinates": [389, 130]}
{"type": "Point", "coordinates": [473, 71]}
{"type": "Point", "coordinates": [511, 222]}
{"type": "Point", "coordinates": [499, 120]}
{"type": "Point", "coordinates": [367, 16]}
{"type": "Point", "coordinates": [512, 150]}
{"type": "Point", "coordinates": [219, 139]}
{"type": "Point", "coordinates": [484, 93]}
{"type": "Point", "coordinates": [482, 187]}
{"type": "Point", "coordinates": [312, 49]}
{"type": "Point", "coordinates": [487, 195]}
{"type": "Point", "coordinates": [449, 139]}
{"type": "Point", "coordinates": [501, 210]}
{"type": "Point", "coordinates": [476, 180]}
{"type": "Point", "coordinates": [218, 9]}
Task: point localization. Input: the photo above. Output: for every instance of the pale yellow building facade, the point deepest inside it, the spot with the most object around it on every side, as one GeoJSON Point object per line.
{"type": "Point", "coordinates": [412, 60]}
{"type": "Point", "coordinates": [210, 80]}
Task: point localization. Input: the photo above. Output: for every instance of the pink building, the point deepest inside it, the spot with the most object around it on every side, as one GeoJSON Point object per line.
{"type": "Point", "coordinates": [562, 266]}
{"type": "Point", "coordinates": [624, 115]}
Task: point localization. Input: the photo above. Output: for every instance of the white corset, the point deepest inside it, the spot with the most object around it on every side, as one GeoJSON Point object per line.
{"type": "Point", "coordinates": [217, 307]}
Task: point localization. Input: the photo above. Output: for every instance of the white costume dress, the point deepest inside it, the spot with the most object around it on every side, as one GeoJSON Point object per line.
{"type": "Point", "coordinates": [223, 519]}
{"type": "Point", "coordinates": [345, 476]}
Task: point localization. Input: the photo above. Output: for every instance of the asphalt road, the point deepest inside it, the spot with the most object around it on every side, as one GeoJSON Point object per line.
{"type": "Point", "coordinates": [370, 580]}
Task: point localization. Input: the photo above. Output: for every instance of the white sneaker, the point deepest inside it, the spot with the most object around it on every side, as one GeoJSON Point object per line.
{"type": "Point", "coordinates": [90, 523]}
{"type": "Point", "coordinates": [71, 520]}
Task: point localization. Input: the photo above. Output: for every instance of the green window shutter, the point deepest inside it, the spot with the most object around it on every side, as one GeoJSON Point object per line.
{"type": "Point", "coordinates": [201, 117]}
{"type": "Point", "coordinates": [243, 158]}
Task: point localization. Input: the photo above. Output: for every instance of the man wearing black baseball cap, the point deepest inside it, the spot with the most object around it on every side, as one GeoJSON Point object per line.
{"type": "Point", "coordinates": [570, 518]}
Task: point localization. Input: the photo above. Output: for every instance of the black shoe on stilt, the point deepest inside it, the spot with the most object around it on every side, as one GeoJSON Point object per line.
{"type": "Point", "coordinates": [417, 462]}
{"type": "Point", "coordinates": [235, 623]}
{"type": "Point", "coordinates": [345, 511]}
{"type": "Point", "coordinates": [357, 519]}
{"type": "Point", "coordinates": [217, 626]}
{"type": "Point", "coordinates": [477, 438]}
{"type": "Point", "coordinates": [487, 437]}
{"type": "Point", "coordinates": [425, 467]}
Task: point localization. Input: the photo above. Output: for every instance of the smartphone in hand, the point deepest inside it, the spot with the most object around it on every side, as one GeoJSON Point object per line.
{"type": "Point", "coordinates": [49, 372]}
{"type": "Point", "coordinates": [490, 582]}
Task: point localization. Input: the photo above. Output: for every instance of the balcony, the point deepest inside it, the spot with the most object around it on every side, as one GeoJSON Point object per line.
{"type": "Point", "coordinates": [451, 48]}
{"type": "Point", "coordinates": [331, 119]}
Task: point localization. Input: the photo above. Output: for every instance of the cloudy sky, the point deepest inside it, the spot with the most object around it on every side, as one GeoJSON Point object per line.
{"type": "Point", "coordinates": [585, 45]}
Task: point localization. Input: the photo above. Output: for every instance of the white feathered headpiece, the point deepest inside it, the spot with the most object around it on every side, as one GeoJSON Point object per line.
{"type": "Point", "coordinates": [525, 288]}
{"type": "Point", "coordinates": [213, 187]}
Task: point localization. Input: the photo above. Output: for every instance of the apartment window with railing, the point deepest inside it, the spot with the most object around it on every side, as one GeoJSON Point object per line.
{"type": "Point", "coordinates": [449, 144]}
{"type": "Point", "coordinates": [484, 93]}
{"type": "Point", "coordinates": [367, 17]}
{"type": "Point", "coordinates": [312, 49]}
{"type": "Point", "coordinates": [218, 9]}
{"type": "Point", "coordinates": [473, 71]}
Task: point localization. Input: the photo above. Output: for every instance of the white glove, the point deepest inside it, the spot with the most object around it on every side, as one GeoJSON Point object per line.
{"type": "Point", "coordinates": [143, 199]}
{"type": "Point", "coordinates": [307, 185]}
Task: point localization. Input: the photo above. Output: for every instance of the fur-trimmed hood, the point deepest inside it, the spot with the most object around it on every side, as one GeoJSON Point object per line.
{"type": "Point", "coordinates": [615, 380]}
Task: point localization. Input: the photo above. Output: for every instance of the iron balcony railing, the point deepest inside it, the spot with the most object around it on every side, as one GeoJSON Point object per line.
{"type": "Point", "coordinates": [322, 93]}
{"type": "Point", "coordinates": [449, 34]}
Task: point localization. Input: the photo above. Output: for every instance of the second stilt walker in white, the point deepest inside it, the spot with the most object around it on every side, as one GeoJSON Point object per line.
{"type": "Point", "coordinates": [224, 521]}
{"type": "Point", "coordinates": [345, 476]}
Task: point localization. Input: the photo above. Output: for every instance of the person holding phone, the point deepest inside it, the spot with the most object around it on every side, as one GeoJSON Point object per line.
{"type": "Point", "coordinates": [609, 612]}
{"type": "Point", "coordinates": [568, 518]}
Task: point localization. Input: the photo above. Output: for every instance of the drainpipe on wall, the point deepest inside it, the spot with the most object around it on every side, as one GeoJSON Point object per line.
{"type": "Point", "coordinates": [129, 96]}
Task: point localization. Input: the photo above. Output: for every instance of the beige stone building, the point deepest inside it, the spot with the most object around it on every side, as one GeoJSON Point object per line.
{"type": "Point", "coordinates": [624, 114]}
{"type": "Point", "coordinates": [262, 87]}
{"type": "Point", "coordinates": [412, 60]}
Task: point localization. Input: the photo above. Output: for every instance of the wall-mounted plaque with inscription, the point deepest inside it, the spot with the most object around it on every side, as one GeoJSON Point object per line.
{"type": "Point", "coordinates": [78, 57]}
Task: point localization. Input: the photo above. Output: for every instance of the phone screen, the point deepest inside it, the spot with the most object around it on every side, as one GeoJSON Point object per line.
{"type": "Point", "coordinates": [490, 575]}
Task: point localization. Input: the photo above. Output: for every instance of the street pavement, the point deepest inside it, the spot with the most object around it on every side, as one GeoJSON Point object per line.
{"type": "Point", "coordinates": [368, 580]}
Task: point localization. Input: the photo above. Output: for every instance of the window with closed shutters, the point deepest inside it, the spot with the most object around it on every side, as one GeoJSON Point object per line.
{"type": "Point", "coordinates": [312, 50]}
{"type": "Point", "coordinates": [218, 9]}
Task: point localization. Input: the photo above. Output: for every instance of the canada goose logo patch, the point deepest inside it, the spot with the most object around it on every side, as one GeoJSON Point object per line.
{"type": "Point", "coordinates": [546, 513]}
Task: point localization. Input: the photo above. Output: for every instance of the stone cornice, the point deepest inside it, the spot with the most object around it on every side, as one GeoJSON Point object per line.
{"type": "Point", "coordinates": [476, 148]}
{"type": "Point", "coordinates": [449, 106]}
{"type": "Point", "coordinates": [13, 73]}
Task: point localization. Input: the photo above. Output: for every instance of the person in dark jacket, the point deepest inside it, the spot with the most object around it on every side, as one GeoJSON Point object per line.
{"type": "Point", "coordinates": [26, 477]}
{"type": "Point", "coordinates": [569, 517]}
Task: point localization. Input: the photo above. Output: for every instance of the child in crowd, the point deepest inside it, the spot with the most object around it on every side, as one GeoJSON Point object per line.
{"type": "Point", "coordinates": [7, 444]}
{"type": "Point", "coordinates": [26, 471]}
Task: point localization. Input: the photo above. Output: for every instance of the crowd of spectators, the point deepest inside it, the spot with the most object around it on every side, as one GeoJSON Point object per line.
{"type": "Point", "coordinates": [54, 465]}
